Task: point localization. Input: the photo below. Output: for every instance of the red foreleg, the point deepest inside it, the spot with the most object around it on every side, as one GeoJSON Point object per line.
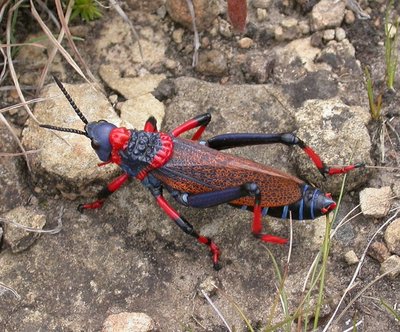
{"type": "Point", "coordinates": [199, 121]}
{"type": "Point", "coordinates": [105, 192]}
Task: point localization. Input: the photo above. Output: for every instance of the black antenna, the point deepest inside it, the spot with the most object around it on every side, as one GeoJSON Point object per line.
{"type": "Point", "coordinates": [68, 130]}
{"type": "Point", "coordinates": [69, 98]}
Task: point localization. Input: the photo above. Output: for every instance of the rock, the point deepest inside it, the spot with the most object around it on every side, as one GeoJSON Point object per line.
{"type": "Point", "coordinates": [259, 67]}
{"type": "Point", "coordinates": [177, 35]}
{"type": "Point", "coordinates": [340, 34]}
{"type": "Point", "coordinates": [337, 133]}
{"type": "Point", "coordinates": [136, 111]}
{"type": "Point", "coordinates": [165, 90]}
{"type": "Point", "coordinates": [116, 44]}
{"type": "Point", "coordinates": [245, 42]}
{"type": "Point", "coordinates": [212, 63]}
{"type": "Point", "coordinates": [349, 17]}
{"type": "Point", "coordinates": [19, 239]}
{"type": "Point", "coordinates": [351, 257]}
{"type": "Point", "coordinates": [392, 237]}
{"type": "Point", "coordinates": [264, 4]}
{"type": "Point", "coordinates": [340, 56]}
{"type": "Point", "coordinates": [327, 14]}
{"type": "Point", "coordinates": [378, 251]}
{"type": "Point", "coordinates": [67, 163]}
{"type": "Point", "coordinates": [208, 286]}
{"type": "Point", "coordinates": [295, 59]}
{"type": "Point", "coordinates": [206, 11]}
{"type": "Point", "coordinates": [391, 264]}
{"type": "Point", "coordinates": [12, 183]}
{"type": "Point", "coordinates": [375, 202]}
{"type": "Point", "coordinates": [262, 14]}
{"type": "Point", "coordinates": [288, 29]}
{"type": "Point", "coordinates": [225, 29]}
{"type": "Point", "coordinates": [329, 34]}
{"type": "Point", "coordinates": [128, 321]}
{"type": "Point", "coordinates": [129, 87]}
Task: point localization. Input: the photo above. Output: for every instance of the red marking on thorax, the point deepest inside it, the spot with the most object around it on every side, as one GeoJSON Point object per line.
{"type": "Point", "coordinates": [162, 156]}
{"type": "Point", "coordinates": [119, 138]}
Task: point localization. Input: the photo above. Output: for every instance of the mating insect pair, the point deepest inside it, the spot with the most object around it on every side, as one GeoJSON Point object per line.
{"type": "Point", "coordinates": [197, 174]}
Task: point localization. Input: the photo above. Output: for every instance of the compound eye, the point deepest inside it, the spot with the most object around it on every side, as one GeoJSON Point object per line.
{"type": "Point", "coordinates": [95, 145]}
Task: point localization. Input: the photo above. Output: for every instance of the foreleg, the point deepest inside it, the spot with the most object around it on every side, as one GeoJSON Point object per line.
{"type": "Point", "coordinates": [200, 121]}
{"type": "Point", "coordinates": [105, 192]}
{"type": "Point", "coordinates": [227, 141]}
{"type": "Point", "coordinates": [151, 125]}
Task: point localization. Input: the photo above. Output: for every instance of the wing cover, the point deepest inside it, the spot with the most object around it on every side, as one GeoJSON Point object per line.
{"type": "Point", "coordinates": [194, 168]}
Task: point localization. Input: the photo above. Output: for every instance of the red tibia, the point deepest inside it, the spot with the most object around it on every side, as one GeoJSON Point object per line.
{"type": "Point", "coordinates": [314, 157]}
{"type": "Point", "coordinates": [257, 222]}
{"type": "Point", "coordinates": [95, 205]}
{"type": "Point", "coordinates": [160, 158]}
{"type": "Point", "coordinates": [118, 182]}
{"type": "Point", "coordinates": [257, 228]}
{"type": "Point", "coordinates": [167, 208]}
{"type": "Point", "coordinates": [213, 248]}
{"type": "Point", "coordinates": [198, 133]}
{"type": "Point", "coordinates": [149, 127]}
{"type": "Point", "coordinates": [119, 138]}
{"type": "Point", "coordinates": [341, 170]}
{"type": "Point", "coordinates": [273, 239]}
{"type": "Point", "coordinates": [185, 127]}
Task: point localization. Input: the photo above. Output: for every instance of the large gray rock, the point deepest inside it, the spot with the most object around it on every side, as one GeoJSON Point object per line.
{"type": "Point", "coordinates": [67, 162]}
{"type": "Point", "coordinates": [339, 135]}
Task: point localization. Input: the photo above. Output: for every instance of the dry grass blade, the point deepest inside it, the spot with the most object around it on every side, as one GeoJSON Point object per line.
{"type": "Point", "coordinates": [50, 13]}
{"type": "Point", "coordinates": [24, 153]}
{"type": "Point", "coordinates": [12, 290]}
{"type": "Point", "coordinates": [216, 310]}
{"type": "Point", "coordinates": [62, 50]}
{"type": "Point", "coordinates": [121, 13]}
{"type": "Point", "coordinates": [6, 154]}
{"type": "Point", "coordinates": [196, 41]}
{"type": "Point", "coordinates": [52, 231]}
{"type": "Point", "coordinates": [349, 287]}
{"type": "Point", "coordinates": [32, 101]}
{"type": "Point", "coordinates": [10, 62]}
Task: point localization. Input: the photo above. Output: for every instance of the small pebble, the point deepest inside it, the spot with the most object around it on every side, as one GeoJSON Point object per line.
{"type": "Point", "coordinates": [378, 251]}
{"type": "Point", "coordinates": [392, 264]}
{"type": "Point", "coordinates": [208, 286]}
{"type": "Point", "coordinates": [375, 202]}
{"type": "Point", "coordinates": [349, 17]}
{"type": "Point", "coordinates": [392, 237]}
{"type": "Point", "coordinates": [128, 321]}
{"type": "Point", "coordinates": [351, 257]}
{"type": "Point", "coordinates": [340, 34]}
{"type": "Point", "coordinates": [177, 35]}
{"type": "Point", "coordinates": [264, 4]}
{"type": "Point", "coordinates": [261, 14]}
{"type": "Point", "coordinates": [246, 42]}
{"type": "Point", "coordinates": [329, 34]}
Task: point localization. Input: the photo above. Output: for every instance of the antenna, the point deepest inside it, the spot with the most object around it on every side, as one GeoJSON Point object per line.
{"type": "Point", "coordinates": [68, 130]}
{"type": "Point", "coordinates": [69, 98]}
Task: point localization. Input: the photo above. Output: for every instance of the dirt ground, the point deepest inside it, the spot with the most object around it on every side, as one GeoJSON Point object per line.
{"type": "Point", "coordinates": [128, 256]}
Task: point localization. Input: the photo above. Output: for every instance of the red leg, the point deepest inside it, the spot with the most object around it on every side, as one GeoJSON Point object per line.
{"type": "Point", "coordinates": [151, 125]}
{"type": "Point", "coordinates": [199, 121]}
{"type": "Point", "coordinates": [104, 193]}
{"type": "Point", "coordinates": [256, 227]}
{"type": "Point", "coordinates": [188, 229]}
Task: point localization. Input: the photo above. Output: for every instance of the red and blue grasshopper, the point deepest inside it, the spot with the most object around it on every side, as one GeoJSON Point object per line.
{"type": "Point", "coordinates": [197, 174]}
